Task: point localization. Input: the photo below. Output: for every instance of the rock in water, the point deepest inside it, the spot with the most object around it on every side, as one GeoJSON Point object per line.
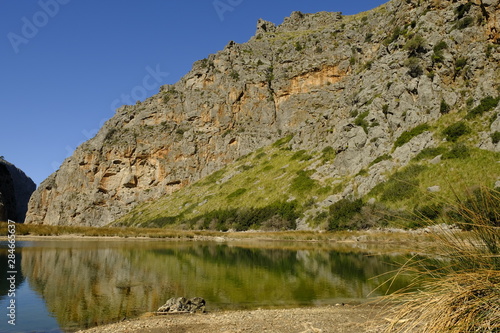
{"type": "Point", "coordinates": [181, 304]}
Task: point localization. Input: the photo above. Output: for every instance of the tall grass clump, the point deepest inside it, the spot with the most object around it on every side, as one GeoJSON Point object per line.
{"type": "Point", "coordinates": [462, 292]}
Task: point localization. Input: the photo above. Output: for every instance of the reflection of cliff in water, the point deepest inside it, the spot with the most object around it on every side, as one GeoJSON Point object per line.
{"type": "Point", "coordinates": [4, 284]}
{"type": "Point", "coordinates": [92, 283]}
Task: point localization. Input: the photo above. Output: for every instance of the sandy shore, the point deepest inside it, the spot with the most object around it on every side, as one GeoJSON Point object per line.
{"type": "Point", "coordinates": [345, 319]}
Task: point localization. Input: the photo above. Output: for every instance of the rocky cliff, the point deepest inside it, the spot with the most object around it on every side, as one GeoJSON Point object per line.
{"type": "Point", "coordinates": [15, 191]}
{"type": "Point", "coordinates": [352, 84]}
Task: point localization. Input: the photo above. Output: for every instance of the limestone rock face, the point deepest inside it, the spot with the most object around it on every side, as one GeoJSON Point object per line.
{"type": "Point", "coordinates": [353, 83]}
{"type": "Point", "coordinates": [15, 191]}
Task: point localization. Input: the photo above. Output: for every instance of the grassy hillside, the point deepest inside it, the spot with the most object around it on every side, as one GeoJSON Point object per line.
{"type": "Point", "coordinates": [272, 180]}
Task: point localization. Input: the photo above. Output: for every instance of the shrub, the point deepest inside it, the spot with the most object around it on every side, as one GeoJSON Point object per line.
{"type": "Point", "coordinates": [486, 104]}
{"type": "Point", "coordinates": [342, 212]}
{"type": "Point", "coordinates": [495, 137]}
{"type": "Point", "coordinates": [444, 108]}
{"type": "Point", "coordinates": [270, 74]}
{"type": "Point", "coordinates": [454, 131]}
{"type": "Point", "coordinates": [406, 136]}
{"type": "Point", "coordinates": [402, 184]}
{"type": "Point", "coordinates": [110, 134]}
{"type": "Point", "coordinates": [260, 155]}
{"type": "Point", "coordinates": [360, 121]}
{"type": "Point", "coordinates": [283, 141]}
{"type": "Point", "coordinates": [488, 50]}
{"type": "Point", "coordinates": [429, 153]}
{"type": "Point", "coordinates": [204, 63]}
{"type": "Point", "coordinates": [385, 109]}
{"type": "Point", "coordinates": [440, 46]}
{"type": "Point", "coordinates": [394, 36]}
{"type": "Point", "coordinates": [428, 212]}
{"type": "Point", "coordinates": [298, 47]}
{"type": "Point", "coordinates": [460, 64]}
{"type": "Point", "coordinates": [414, 68]}
{"type": "Point", "coordinates": [234, 75]}
{"type": "Point", "coordinates": [267, 168]}
{"type": "Point", "coordinates": [479, 204]}
{"type": "Point", "coordinates": [462, 9]}
{"type": "Point", "coordinates": [245, 167]}
{"type": "Point", "coordinates": [236, 193]}
{"type": "Point", "coordinates": [245, 218]}
{"type": "Point", "coordinates": [324, 190]}
{"type": "Point", "coordinates": [459, 151]}
{"type": "Point", "coordinates": [469, 102]}
{"type": "Point", "coordinates": [437, 57]}
{"type": "Point", "coordinates": [380, 159]}
{"type": "Point", "coordinates": [362, 173]}
{"type": "Point", "coordinates": [328, 154]}
{"type": "Point", "coordinates": [464, 23]}
{"type": "Point", "coordinates": [214, 177]}
{"type": "Point", "coordinates": [277, 223]}
{"type": "Point", "coordinates": [301, 155]}
{"type": "Point", "coordinates": [302, 183]}
{"type": "Point", "coordinates": [415, 45]}
{"type": "Point", "coordinates": [161, 222]}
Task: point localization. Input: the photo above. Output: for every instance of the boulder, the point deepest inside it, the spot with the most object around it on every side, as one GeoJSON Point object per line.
{"type": "Point", "coordinates": [181, 304]}
{"type": "Point", "coordinates": [434, 189]}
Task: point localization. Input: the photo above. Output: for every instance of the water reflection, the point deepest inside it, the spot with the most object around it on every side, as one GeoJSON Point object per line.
{"type": "Point", "coordinates": [4, 283]}
{"type": "Point", "coordinates": [94, 282]}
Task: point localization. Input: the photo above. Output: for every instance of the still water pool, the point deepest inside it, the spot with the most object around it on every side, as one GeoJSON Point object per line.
{"type": "Point", "coordinates": [62, 286]}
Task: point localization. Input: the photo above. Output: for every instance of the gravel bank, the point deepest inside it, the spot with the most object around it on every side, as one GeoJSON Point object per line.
{"type": "Point", "coordinates": [345, 319]}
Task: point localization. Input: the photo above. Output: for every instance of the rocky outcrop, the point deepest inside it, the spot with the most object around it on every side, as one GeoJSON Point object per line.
{"type": "Point", "coordinates": [353, 83]}
{"type": "Point", "coordinates": [7, 200]}
{"type": "Point", "coordinates": [15, 191]}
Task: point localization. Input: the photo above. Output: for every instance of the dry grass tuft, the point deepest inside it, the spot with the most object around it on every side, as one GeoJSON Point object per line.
{"type": "Point", "coordinates": [462, 292]}
{"type": "Point", "coordinates": [460, 302]}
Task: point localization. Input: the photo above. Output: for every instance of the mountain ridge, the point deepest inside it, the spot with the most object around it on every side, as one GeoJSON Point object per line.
{"type": "Point", "coordinates": [15, 191]}
{"type": "Point", "coordinates": [353, 85]}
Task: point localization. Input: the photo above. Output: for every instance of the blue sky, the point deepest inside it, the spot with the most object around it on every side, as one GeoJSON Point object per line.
{"type": "Point", "coordinates": [66, 64]}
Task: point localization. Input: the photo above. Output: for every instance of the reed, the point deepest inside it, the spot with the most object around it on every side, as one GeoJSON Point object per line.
{"type": "Point", "coordinates": [462, 293]}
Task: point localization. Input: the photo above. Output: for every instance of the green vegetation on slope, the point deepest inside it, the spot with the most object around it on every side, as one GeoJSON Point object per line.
{"type": "Point", "coordinates": [270, 188]}
{"type": "Point", "coordinates": [266, 189]}
{"type": "Point", "coordinates": [409, 188]}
